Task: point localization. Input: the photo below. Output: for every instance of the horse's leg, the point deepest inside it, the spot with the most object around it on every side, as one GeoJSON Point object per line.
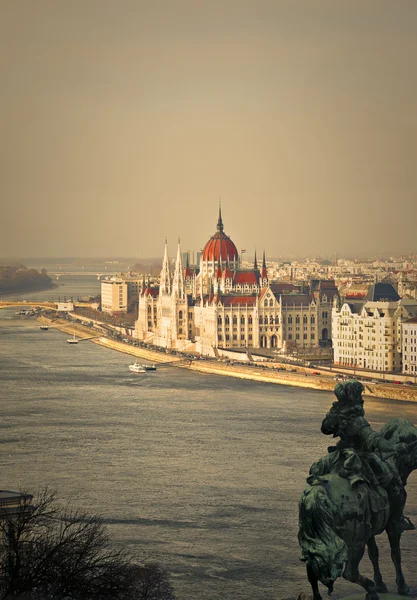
{"type": "Point", "coordinates": [312, 577]}
{"type": "Point", "coordinates": [373, 554]}
{"type": "Point", "coordinates": [351, 572]}
{"type": "Point", "coordinates": [394, 541]}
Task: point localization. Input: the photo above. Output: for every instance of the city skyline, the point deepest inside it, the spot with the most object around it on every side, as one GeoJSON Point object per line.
{"type": "Point", "coordinates": [123, 123]}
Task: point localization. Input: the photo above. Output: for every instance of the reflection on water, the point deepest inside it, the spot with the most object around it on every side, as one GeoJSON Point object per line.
{"type": "Point", "coordinates": [200, 472]}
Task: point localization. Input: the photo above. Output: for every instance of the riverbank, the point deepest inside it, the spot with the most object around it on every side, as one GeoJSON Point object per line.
{"type": "Point", "coordinates": [264, 372]}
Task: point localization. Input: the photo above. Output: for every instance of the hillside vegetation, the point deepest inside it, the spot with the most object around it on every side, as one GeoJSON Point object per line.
{"type": "Point", "coordinates": [18, 278]}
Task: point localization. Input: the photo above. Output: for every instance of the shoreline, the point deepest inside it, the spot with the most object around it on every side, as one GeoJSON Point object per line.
{"type": "Point", "coordinates": [261, 373]}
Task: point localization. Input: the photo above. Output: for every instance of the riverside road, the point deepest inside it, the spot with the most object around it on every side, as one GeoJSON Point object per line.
{"type": "Point", "coordinates": [200, 472]}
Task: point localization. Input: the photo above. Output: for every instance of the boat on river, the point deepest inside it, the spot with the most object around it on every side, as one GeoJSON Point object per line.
{"type": "Point", "coordinates": [72, 340]}
{"type": "Point", "coordinates": [44, 327]}
{"type": "Point", "coordinates": [137, 368]}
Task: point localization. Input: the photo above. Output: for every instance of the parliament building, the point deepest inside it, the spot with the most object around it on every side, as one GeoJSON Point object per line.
{"type": "Point", "coordinates": [220, 304]}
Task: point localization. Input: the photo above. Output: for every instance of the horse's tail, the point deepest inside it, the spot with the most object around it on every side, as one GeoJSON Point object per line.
{"type": "Point", "coordinates": [322, 549]}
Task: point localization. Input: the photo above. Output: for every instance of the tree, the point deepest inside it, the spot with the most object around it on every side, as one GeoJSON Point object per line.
{"type": "Point", "coordinates": [52, 552]}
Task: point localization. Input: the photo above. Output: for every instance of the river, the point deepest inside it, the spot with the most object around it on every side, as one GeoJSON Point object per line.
{"type": "Point", "coordinates": [199, 472]}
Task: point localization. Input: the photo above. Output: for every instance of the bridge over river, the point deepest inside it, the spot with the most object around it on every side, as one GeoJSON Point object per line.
{"type": "Point", "coordinates": [28, 305]}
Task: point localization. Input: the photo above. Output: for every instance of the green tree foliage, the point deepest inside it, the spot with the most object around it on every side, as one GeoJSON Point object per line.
{"type": "Point", "coordinates": [50, 552]}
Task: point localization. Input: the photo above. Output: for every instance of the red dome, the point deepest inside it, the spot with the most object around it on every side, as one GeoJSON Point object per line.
{"type": "Point", "coordinates": [220, 246]}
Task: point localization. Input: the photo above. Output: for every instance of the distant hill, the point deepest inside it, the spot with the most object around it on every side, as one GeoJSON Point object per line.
{"type": "Point", "coordinates": [147, 268]}
{"type": "Point", "coordinates": [18, 278]}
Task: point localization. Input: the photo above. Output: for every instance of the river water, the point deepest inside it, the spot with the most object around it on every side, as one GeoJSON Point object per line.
{"type": "Point", "coordinates": [199, 472]}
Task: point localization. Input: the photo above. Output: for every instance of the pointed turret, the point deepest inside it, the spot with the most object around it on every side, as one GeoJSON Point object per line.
{"type": "Point", "coordinates": [165, 281]}
{"type": "Point", "coordinates": [187, 270]}
{"type": "Point", "coordinates": [264, 272]}
{"type": "Point", "coordinates": [219, 269]}
{"type": "Point", "coordinates": [220, 221]}
{"type": "Point", "coordinates": [255, 263]}
{"type": "Point", "coordinates": [178, 287]}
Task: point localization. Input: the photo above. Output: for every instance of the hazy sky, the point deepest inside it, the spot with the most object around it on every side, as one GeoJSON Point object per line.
{"type": "Point", "coordinates": [122, 122]}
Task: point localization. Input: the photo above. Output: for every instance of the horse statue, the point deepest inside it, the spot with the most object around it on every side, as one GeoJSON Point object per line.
{"type": "Point", "coordinates": [355, 493]}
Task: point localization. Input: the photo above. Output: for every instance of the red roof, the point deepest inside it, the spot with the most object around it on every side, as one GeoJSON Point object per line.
{"type": "Point", "coordinates": [246, 278]}
{"type": "Point", "coordinates": [234, 300]}
{"type": "Point", "coordinates": [189, 272]}
{"type": "Point", "coordinates": [154, 292]}
{"type": "Point", "coordinates": [220, 246]}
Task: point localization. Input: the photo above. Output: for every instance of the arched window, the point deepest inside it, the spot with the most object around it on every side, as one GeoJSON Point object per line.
{"type": "Point", "coordinates": [271, 320]}
{"type": "Point", "coordinates": [289, 319]}
{"type": "Point", "coordinates": [276, 320]}
{"type": "Point", "coordinates": [219, 320]}
{"type": "Point", "coordinates": [266, 303]}
{"type": "Point", "coordinates": [305, 319]}
{"type": "Point", "coordinates": [312, 319]}
{"type": "Point", "coordinates": [226, 320]}
{"type": "Point", "coordinates": [149, 308]}
{"type": "Point", "coordinates": [242, 320]}
{"type": "Point", "coordinates": [260, 321]}
{"type": "Point", "coordinates": [234, 320]}
{"type": "Point", "coordinates": [180, 315]}
{"type": "Point", "coordinates": [250, 320]}
{"type": "Point", "coordinates": [297, 319]}
{"type": "Point", "coordinates": [271, 302]}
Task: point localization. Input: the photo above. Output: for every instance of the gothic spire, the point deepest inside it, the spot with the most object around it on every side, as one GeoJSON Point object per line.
{"type": "Point", "coordinates": [220, 221]}
{"type": "Point", "coordinates": [178, 281]}
{"type": "Point", "coordinates": [264, 272]}
{"type": "Point", "coordinates": [165, 281]}
{"type": "Point", "coordinates": [255, 263]}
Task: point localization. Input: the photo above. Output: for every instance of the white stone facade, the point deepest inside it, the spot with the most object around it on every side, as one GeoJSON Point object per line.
{"type": "Point", "coordinates": [368, 335]}
{"type": "Point", "coordinates": [409, 347]}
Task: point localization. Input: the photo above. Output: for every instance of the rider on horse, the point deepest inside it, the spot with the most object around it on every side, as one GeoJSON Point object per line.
{"type": "Point", "coordinates": [361, 453]}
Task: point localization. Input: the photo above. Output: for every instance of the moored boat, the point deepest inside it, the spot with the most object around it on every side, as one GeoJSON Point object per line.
{"type": "Point", "coordinates": [72, 340]}
{"type": "Point", "coordinates": [137, 368]}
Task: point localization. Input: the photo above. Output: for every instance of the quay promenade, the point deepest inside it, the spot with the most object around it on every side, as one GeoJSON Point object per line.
{"type": "Point", "coordinates": [263, 372]}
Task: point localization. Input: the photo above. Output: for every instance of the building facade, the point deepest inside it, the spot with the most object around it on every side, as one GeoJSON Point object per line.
{"type": "Point", "coordinates": [409, 347]}
{"type": "Point", "coordinates": [113, 295]}
{"type": "Point", "coordinates": [219, 304]}
{"type": "Point", "coordinates": [367, 334]}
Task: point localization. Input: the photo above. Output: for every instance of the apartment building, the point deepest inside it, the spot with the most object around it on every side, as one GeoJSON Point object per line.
{"type": "Point", "coordinates": [368, 334]}
{"type": "Point", "coordinates": [409, 347]}
{"type": "Point", "coordinates": [114, 295]}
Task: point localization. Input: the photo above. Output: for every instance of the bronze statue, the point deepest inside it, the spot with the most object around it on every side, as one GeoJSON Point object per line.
{"type": "Point", "coordinates": [356, 492]}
